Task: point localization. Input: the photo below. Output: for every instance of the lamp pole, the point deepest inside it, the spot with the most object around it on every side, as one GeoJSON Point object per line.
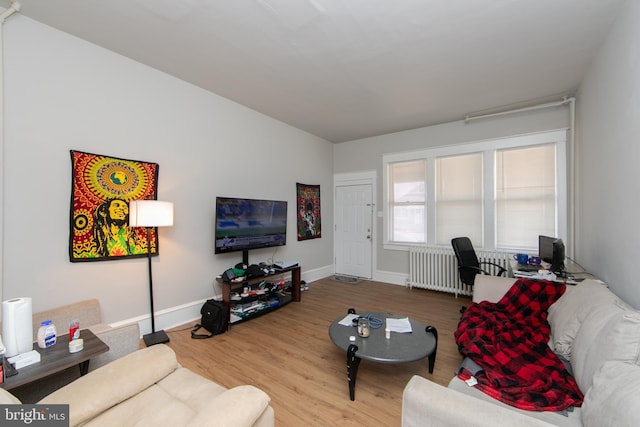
{"type": "Point", "coordinates": [153, 323]}
{"type": "Point", "coordinates": [150, 214]}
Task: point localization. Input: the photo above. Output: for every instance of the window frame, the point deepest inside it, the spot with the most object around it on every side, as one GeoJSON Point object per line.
{"type": "Point", "coordinates": [393, 204]}
{"type": "Point", "coordinates": [440, 200]}
{"type": "Point", "coordinates": [488, 148]}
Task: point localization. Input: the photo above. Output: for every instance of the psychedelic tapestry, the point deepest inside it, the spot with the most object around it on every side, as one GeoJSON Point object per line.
{"type": "Point", "coordinates": [308, 204]}
{"type": "Point", "coordinates": [102, 187]}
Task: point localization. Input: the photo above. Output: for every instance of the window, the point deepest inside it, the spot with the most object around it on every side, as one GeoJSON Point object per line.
{"type": "Point", "coordinates": [407, 195]}
{"type": "Point", "coordinates": [525, 195]}
{"type": "Point", "coordinates": [500, 193]}
{"type": "Point", "coordinates": [459, 197]}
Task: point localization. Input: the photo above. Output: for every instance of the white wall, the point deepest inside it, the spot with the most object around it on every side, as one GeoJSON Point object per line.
{"type": "Point", "coordinates": [366, 154]}
{"type": "Point", "coordinates": [608, 117]}
{"type": "Point", "coordinates": [63, 93]}
{"type": "Point", "coordinates": [607, 155]}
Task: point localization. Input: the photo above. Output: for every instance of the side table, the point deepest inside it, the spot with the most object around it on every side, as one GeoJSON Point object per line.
{"type": "Point", "coordinates": [57, 358]}
{"type": "Point", "coordinates": [400, 348]}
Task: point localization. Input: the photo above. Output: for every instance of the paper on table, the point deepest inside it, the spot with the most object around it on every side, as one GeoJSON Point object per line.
{"type": "Point", "coordinates": [402, 326]}
{"type": "Point", "coordinates": [348, 319]}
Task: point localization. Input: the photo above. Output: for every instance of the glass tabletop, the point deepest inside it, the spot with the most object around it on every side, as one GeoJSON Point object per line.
{"type": "Point", "coordinates": [399, 348]}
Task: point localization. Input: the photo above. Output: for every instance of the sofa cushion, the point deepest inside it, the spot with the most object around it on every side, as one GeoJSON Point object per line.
{"type": "Point", "coordinates": [117, 381]}
{"type": "Point", "coordinates": [88, 312]}
{"type": "Point", "coordinates": [608, 332]}
{"type": "Point", "coordinates": [491, 288]}
{"type": "Point", "coordinates": [122, 340]}
{"type": "Point", "coordinates": [564, 316]}
{"type": "Point", "coordinates": [7, 398]}
{"type": "Point", "coordinates": [614, 398]}
{"type": "Point", "coordinates": [152, 406]}
{"type": "Point", "coordinates": [425, 403]}
{"type": "Point", "coordinates": [571, 418]}
{"type": "Point", "coordinates": [186, 398]}
{"type": "Point", "coordinates": [231, 408]}
{"type": "Point", "coordinates": [188, 386]}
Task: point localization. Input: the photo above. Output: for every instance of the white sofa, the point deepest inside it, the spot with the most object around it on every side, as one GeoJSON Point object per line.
{"type": "Point", "coordinates": [591, 328]}
{"type": "Point", "coordinates": [149, 388]}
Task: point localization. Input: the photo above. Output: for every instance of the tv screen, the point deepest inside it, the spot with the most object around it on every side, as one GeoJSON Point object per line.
{"type": "Point", "coordinates": [243, 224]}
{"type": "Point", "coordinates": [545, 248]}
{"type": "Point", "coordinates": [557, 263]}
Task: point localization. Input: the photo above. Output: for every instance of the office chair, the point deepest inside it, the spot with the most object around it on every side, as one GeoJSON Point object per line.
{"type": "Point", "coordinates": [468, 263]}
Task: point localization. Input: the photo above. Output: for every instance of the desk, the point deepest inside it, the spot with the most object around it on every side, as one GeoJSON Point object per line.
{"type": "Point", "coordinates": [57, 358]}
{"type": "Point", "coordinates": [572, 268]}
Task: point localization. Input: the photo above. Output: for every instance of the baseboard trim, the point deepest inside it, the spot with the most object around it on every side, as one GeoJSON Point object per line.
{"type": "Point", "coordinates": [391, 277]}
{"type": "Point", "coordinates": [317, 273]}
{"type": "Point", "coordinates": [190, 312]}
{"type": "Point", "coordinates": [167, 318]}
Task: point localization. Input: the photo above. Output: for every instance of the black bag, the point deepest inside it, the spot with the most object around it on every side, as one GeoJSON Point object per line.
{"type": "Point", "coordinates": [214, 319]}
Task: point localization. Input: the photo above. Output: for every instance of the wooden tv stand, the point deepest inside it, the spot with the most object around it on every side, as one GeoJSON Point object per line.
{"type": "Point", "coordinates": [228, 286]}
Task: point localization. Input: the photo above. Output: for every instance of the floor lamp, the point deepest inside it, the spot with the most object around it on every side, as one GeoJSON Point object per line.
{"type": "Point", "coordinates": [150, 214]}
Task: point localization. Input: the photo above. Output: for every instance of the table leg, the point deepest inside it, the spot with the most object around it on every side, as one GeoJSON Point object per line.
{"type": "Point", "coordinates": [226, 298]}
{"type": "Point", "coordinates": [84, 367]}
{"type": "Point", "coordinates": [353, 362]}
{"type": "Point", "coordinates": [295, 284]}
{"type": "Point", "coordinates": [432, 357]}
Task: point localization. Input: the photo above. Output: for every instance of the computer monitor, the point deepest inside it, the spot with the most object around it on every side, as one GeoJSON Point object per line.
{"type": "Point", "coordinates": [545, 248]}
{"type": "Point", "coordinates": [557, 261]}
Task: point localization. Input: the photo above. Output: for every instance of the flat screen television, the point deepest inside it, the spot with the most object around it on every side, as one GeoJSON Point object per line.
{"type": "Point", "coordinates": [244, 224]}
{"type": "Point", "coordinates": [545, 248]}
{"type": "Point", "coordinates": [557, 262]}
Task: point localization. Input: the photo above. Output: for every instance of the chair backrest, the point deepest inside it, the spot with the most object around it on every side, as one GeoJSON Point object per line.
{"type": "Point", "coordinates": [467, 257]}
{"type": "Point", "coordinates": [87, 312]}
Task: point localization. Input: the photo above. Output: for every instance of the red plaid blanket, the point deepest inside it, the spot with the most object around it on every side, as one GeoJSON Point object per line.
{"type": "Point", "coordinates": [508, 340]}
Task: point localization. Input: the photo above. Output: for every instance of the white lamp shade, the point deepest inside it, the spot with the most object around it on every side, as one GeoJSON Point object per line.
{"type": "Point", "coordinates": [150, 213]}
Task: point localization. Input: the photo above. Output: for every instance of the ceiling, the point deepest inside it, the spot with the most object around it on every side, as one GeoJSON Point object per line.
{"type": "Point", "coordinates": [349, 69]}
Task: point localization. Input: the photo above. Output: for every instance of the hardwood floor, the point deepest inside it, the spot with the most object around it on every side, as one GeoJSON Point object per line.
{"type": "Point", "coordinates": [288, 354]}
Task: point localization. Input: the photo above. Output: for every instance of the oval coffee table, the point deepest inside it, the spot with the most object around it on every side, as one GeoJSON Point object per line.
{"type": "Point", "coordinates": [400, 348]}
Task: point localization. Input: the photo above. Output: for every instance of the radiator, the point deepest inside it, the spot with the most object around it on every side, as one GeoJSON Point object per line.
{"type": "Point", "coordinates": [436, 268]}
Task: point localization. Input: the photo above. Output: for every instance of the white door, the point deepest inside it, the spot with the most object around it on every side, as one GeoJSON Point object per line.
{"type": "Point", "coordinates": [353, 230]}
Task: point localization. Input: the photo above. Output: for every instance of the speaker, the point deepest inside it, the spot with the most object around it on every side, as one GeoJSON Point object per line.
{"type": "Point", "coordinates": [228, 275]}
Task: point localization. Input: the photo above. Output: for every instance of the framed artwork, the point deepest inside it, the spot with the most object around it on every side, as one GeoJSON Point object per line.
{"type": "Point", "coordinates": [101, 189]}
{"type": "Point", "coordinates": [308, 215]}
